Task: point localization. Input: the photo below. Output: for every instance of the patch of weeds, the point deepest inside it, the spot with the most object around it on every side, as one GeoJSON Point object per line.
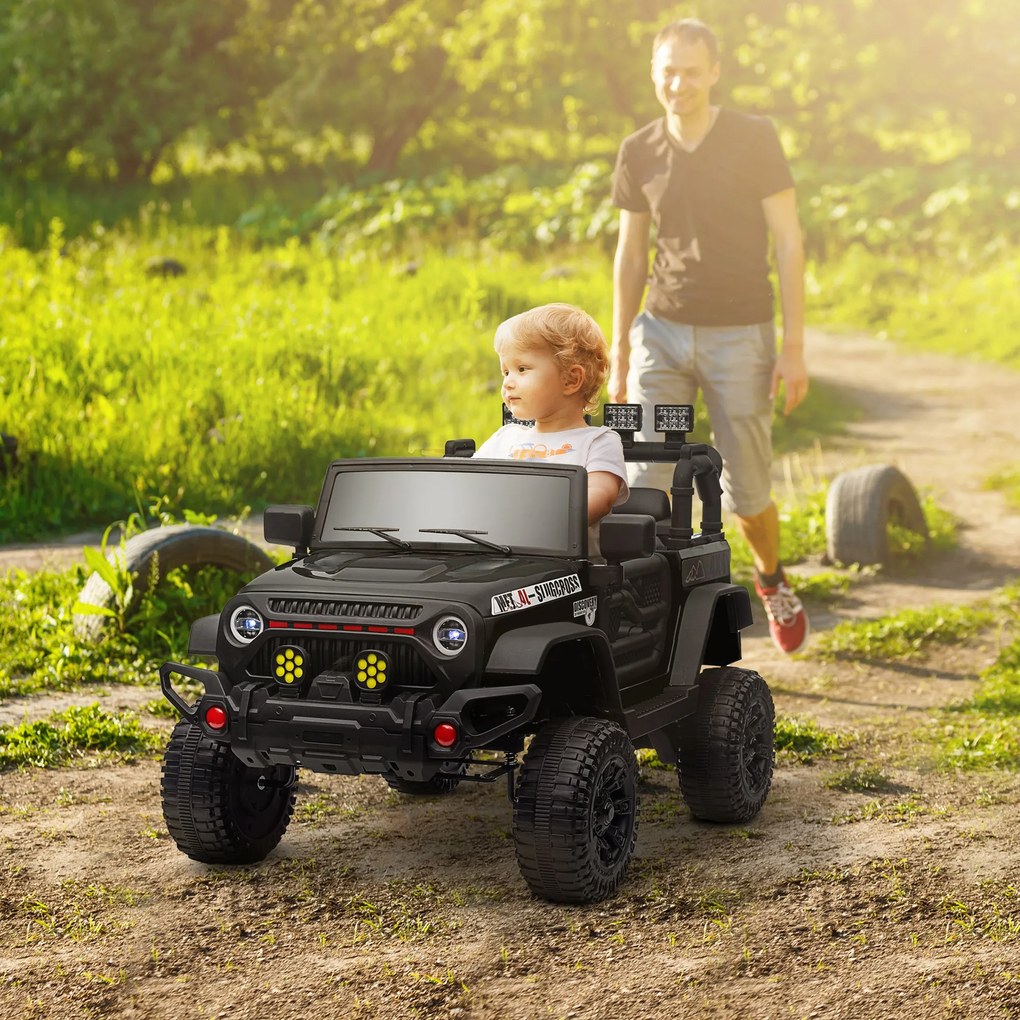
{"type": "Point", "coordinates": [663, 810]}
{"type": "Point", "coordinates": [982, 732]}
{"type": "Point", "coordinates": [861, 778]}
{"type": "Point", "coordinates": [71, 798]}
{"type": "Point", "coordinates": [983, 744]}
{"type": "Point", "coordinates": [394, 921]}
{"type": "Point", "coordinates": [1007, 482]}
{"type": "Point", "coordinates": [647, 757]}
{"type": "Point", "coordinates": [904, 635]}
{"type": "Point", "coordinates": [76, 919]}
{"type": "Point", "coordinates": [900, 812]}
{"type": "Point", "coordinates": [803, 739]}
{"type": "Point", "coordinates": [322, 806]}
{"type": "Point", "coordinates": [72, 734]}
{"type": "Point", "coordinates": [824, 586]}
{"type": "Point", "coordinates": [996, 918]}
{"type": "Point", "coordinates": [906, 544]}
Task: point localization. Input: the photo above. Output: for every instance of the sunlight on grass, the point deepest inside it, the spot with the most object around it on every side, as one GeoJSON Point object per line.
{"type": "Point", "coordinates": [73, 733]}
{"type": "Point", "coordinates": [905, 635]}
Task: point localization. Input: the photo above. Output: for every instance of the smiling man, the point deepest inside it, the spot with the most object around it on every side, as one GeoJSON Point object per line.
{"type": "Point", "coordinates": [716, 185]}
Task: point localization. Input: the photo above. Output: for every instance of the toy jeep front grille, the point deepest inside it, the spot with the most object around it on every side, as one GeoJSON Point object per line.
{"type": "Point", "coordinates": [337, 607]}
{"type": "Point", "coordinates": [407, 668]}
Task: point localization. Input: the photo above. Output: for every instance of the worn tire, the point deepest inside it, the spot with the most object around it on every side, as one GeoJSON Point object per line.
{"type": "Point", "coordinates": [176, 545]}
{"type": "Point", "coordinates": [727, 752]}
{"type": "Point", "coordinates": [212, 804]}
{"type": "Point", "coordinates": [859, 508]}
{"type": "Point", "coordinates": [575, 819]}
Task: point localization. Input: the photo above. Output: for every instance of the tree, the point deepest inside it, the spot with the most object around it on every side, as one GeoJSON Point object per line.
{"type": "Point", "coordinates": [117, 81]}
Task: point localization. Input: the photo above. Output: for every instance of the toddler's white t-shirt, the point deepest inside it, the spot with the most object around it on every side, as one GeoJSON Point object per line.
{"type": "Point", "coordinates": [594, 447]}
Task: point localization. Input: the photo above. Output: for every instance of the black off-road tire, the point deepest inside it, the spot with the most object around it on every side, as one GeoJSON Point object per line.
{"type": "Point", "coordinates": [727, 752]}
{"type": "Point", "coordinates": [441, 783]}
{"type": "Point", "coordinates": [576, 815]}
{"type": "Point", "coordinates": [213, 805]}
{"type": "Point", "coordinates": [176, 545]}
{"type": "Point", "coordinates": [859, 508]}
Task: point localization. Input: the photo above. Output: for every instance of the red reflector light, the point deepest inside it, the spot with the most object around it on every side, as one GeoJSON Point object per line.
{"type": "Point", "coordinates": [302, 626]}
{"type": "Point", "coordinates": [277, 623]}
{"type": "Point", "coordinates": [216, 718]}
{"type": "Point", "coordinates": [378, 630]}
{"type": "Point", "coordinates": [327, 626]}
{"type": "Point", "coordinates": [445, 735]}
{"type": "Point", "coordinates": [403, 630]}
{"type": "Point", "coordinates": [352, 626]}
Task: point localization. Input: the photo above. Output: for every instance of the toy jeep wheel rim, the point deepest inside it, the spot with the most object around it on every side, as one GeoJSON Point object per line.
{"type": "Point", "coordinates": [612, 813]}
{"type": "Point", "coordinates": [255, 797]}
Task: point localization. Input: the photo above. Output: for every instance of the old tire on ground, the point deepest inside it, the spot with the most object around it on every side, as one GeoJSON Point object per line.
{"type": "Point", "coordinates": [217, 809]}
{"type": "Point", "coordinates": [575, 819]}
{"type": "Point", "coordinates": [176, 545]}
{"type": "Point", "coordinates": [440, 783]}
{"type": "Point", "coordinates": [727, 751]}
{"type": "Point", "coordinates": [859, 508]}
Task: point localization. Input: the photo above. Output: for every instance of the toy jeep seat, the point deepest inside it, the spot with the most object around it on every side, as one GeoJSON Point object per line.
{"type": "Point", "coordinates": [653, 502]}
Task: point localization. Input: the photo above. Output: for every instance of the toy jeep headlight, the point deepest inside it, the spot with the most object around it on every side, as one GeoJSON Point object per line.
{"type": "Point", "coordinates": [371, 670]}
{"type": "Point", "coordinates": [245, 623]}
{"type": "Point", "coordinates": [289, 665]}
{"type": "Point", "coordinates": [450, 635]}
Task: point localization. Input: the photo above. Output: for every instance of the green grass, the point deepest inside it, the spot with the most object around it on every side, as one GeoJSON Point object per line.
{"type": "Point", "coordinates": [72, 734]}
{"type": "Point", "coordinates": [235, 384]}
{"type": "Point", "coordinates": [860, 778]}
{"type": "Point", "coordinates": [40, 651]}
{"type": "Point", "coordinates": [803, 740]}
{"type": "Point", "coordinates": [1007, 482]}
{"type": "Point", "coordinates": [905, 635]}
{"type": "Point", "coordinates": [982, 732]}
{"type": "Point", "coordinates": [967, 306]}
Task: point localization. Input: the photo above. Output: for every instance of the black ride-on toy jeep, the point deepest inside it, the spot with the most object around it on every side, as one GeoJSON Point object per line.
{"type": "Point", "coordinates": [439, 607]}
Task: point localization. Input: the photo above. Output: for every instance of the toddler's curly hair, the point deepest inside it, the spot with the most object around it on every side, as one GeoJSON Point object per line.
{"type": "Point", "coordinates": [572, 335]}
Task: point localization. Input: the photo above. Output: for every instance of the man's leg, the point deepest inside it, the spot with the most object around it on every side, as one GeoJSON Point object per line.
{"type": "Point", "coordinates": [735, 370]}
{"type": "Point", "coordinates": [661, 372]}
{"type": "Point", "coordinates": [762, 534]}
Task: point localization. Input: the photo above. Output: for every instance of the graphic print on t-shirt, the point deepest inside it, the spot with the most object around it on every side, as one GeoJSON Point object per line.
{"type": "Point", "coordinates": [537, 451]}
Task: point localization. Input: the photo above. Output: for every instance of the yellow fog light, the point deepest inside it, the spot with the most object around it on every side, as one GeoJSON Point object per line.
{"type": "Point", "coordinates": [289, 665]}
{"type": "Point", "coordinates": [370, 670]}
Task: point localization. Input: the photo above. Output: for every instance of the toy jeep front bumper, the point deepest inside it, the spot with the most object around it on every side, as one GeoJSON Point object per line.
{"type": "Point", "coordinates": [334, 734]}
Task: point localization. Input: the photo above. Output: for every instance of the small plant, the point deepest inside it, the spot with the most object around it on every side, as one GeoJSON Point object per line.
{"type": "Point", "coordinates": [803, 739]}
{"type": "Point", "coordinates": [74, 733]}
{"type": "Point", "coordinates": [905, 635]}
{"type": "Point", "coordinates": [861, 778]}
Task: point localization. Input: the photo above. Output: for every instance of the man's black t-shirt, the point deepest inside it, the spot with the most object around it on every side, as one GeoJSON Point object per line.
{"type": "Point", "coordinates": [711, 256]}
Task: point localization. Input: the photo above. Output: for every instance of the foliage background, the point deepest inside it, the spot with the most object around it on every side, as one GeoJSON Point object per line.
{"type": "Point", "coordinates": [359, 191]}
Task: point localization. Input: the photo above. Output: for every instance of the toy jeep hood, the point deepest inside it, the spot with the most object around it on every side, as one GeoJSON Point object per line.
{"type": "Point", "coordinates": [475, 578]}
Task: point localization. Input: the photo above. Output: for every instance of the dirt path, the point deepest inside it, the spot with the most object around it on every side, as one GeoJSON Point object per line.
{"type": "Point", "coordinates": [888, 903]}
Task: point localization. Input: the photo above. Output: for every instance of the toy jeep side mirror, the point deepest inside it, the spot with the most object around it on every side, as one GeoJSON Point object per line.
{"type": "Point", "coordinates": [627, 536]}
{"type": "Point", "coordinates": [287, 524]}
{"type": "Point", "coordinates": [459, 448]}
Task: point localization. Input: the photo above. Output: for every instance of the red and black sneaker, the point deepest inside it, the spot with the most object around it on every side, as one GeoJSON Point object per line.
{"type": "Point", "coordinates": [788, 623]}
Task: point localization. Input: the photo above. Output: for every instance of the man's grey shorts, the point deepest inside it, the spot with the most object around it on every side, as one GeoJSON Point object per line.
{"type": "Point", "coordinates": [732, 365]}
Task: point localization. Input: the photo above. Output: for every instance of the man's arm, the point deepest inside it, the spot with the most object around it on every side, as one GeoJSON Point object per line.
{"type": "Point", "coordinates": [781, 216]}
{"type": "Point", "coordinates": [630, 274]}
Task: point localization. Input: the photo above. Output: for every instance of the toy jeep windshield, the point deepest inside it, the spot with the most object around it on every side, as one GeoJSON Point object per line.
{"type": "Point", "coordinates": [438, 608]}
